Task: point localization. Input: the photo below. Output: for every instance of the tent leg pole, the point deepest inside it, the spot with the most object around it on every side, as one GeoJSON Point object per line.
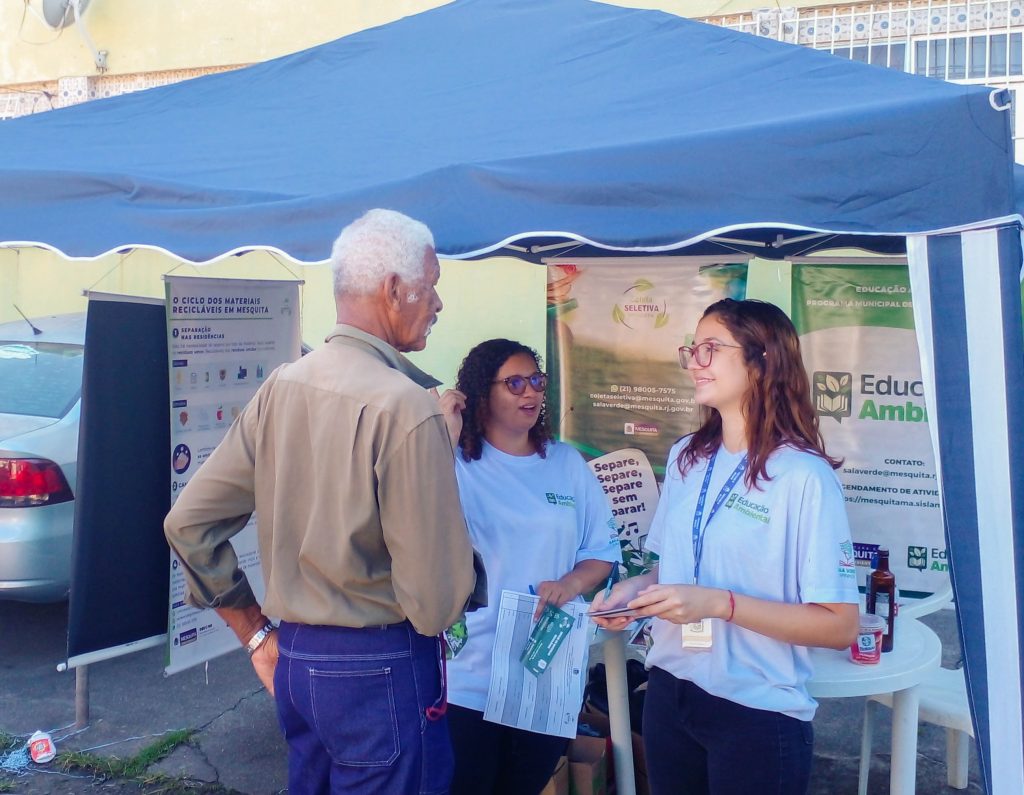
{"type": "Point", "coordinates": [81, 696]}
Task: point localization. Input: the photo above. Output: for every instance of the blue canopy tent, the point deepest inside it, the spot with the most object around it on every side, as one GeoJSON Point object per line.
{"type": "Point", "coordinates": [510, 126]}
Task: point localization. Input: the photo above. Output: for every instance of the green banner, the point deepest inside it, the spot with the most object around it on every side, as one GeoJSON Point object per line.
{"type": "Point", "coordinates": [829, 296]}
{"type": "Point", "coordinates": [860, 351]}
{"type": "Point", "coordinates": [614, 330]}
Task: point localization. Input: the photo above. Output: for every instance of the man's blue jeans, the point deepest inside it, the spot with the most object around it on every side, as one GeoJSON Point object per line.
{"type": "Point", "coordinates": [352, 702]}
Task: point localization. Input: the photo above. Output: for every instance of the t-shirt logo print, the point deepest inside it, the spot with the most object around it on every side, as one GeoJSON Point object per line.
{"type": "Point", "coordinates": [847, 560]}
{"type": "Point", "coordinates": [565, 500]}
{"type": "Point", "coordinates": [749, 508]}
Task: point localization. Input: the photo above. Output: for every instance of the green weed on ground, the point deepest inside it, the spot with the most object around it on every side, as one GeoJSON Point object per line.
{"type": "Point", "coordinates": [134, 768]}
{"type": "Point", "coordinates": [131, 769]}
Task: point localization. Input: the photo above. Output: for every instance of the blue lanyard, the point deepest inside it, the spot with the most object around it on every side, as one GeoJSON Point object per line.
{"type": "Point", "coordinates": [698, 514]}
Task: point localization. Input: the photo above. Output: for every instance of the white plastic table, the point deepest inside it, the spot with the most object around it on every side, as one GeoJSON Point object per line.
{"type": "Point", "coordinates": [916, 651]}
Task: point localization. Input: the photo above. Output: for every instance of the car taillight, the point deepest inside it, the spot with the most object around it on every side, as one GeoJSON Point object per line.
{"type": "Point", "coordinates": [26, 482]}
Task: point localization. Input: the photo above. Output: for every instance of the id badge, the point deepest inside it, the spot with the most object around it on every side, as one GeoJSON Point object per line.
{"type": "Point", "coordinates": [455, 638]}
{"type": "Point", "coordinates": [697, 635]}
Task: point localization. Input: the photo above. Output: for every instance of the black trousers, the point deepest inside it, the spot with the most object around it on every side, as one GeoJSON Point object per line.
{"type": "Point", "coordinates": [700, 744]}
{"type": "Point", "coordinates": [491, 759]}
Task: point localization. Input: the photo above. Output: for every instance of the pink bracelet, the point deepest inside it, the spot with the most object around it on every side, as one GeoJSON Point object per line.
{"type": "Point", "coordinates": [732, 607]}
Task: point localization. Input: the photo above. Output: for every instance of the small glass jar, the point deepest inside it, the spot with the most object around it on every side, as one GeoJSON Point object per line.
{"type": "Point", "coordinates": [867, 649]}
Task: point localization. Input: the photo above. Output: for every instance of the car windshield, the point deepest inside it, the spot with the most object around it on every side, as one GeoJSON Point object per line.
{"type": "Point", "coordinates": [41, 379]}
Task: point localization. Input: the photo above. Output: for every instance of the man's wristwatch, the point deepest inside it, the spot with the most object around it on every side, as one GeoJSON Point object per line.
{"type": "Point", "coordinates": [257, 640]}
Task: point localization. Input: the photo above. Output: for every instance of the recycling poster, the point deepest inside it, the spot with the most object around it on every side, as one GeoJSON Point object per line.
{"type": "Point", "coordinates": [632, 491]}
{"type": "Point", "coordinates": [616, 390]}
{"type": "Point", "coordinates": [224, 337]}
{"type": "Point", "coordinates": [857, 335]}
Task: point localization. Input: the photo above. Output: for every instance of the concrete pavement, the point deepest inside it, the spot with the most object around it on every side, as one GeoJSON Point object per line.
{"type": "Point", "coordinates": [237, 747]}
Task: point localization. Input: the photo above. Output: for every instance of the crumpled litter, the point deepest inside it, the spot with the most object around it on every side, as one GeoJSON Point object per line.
{"type": "Point", "coordinates": [16, 760]}
{"type": "Point", "coordinates": [41, 748]}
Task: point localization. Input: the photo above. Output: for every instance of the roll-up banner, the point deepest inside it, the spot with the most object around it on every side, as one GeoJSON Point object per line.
{"type": "Point", "coordinates": [118, 600]}
{"type": "Point", "coordinates": [856, 323]}
{"type": "Point", "coordinates": [616, 390]}
{"type": "Point", "coordinates": [224, 337]}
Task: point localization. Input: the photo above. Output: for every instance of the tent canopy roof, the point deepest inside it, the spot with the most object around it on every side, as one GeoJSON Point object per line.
{"type": "Point", "coordinates": [512, 121]}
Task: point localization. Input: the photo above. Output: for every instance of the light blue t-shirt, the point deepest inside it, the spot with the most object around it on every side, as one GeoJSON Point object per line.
{"type": "Point", "coordinates": [787, 542]}
{"type": "Point", "coordinates": [531, 519]}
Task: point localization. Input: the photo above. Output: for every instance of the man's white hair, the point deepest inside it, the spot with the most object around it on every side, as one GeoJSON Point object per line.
{"type": "Point", "coordinates": [378, 243]}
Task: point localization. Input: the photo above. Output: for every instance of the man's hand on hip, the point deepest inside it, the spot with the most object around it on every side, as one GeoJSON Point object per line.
{"type": "Point", "coordinates": [246, 622]}
{"type": "Point", "coordinates": [264, 661]}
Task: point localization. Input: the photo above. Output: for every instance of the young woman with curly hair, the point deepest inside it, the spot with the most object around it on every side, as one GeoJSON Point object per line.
{"type": "Point", "coordinates": [755, 566]}
{"type": "Point", "coordinates": [540, 520]}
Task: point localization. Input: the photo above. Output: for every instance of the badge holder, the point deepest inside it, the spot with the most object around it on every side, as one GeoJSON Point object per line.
{"type": "Point", "coordinates": [455, 638]}
{"type": "Point", "coordinates": [697, 634]}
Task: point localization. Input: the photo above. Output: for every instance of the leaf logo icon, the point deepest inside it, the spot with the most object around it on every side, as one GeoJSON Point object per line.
{"type": "Point", "coordinates": [661, 319]}
{"type": "Point", "coordinates": [833, 394]}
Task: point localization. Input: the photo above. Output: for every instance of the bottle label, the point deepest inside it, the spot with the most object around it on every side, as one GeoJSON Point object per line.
{"type": "Point", "coordinates": [882, 607]}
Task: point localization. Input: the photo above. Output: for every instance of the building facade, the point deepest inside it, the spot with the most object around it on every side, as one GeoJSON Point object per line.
{"type": "Point", "coordinates": [120, 46]}
{"type": "Point", "coordinates": [962, 41]}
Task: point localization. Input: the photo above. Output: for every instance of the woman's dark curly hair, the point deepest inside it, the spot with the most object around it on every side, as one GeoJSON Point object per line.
{"type": "Point", "coordinates": [476, 377]}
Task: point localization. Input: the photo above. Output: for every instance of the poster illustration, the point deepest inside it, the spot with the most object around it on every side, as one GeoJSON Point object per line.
{"type": "Point", "coordinates": [224, 337]}
{"type": "Point", "coordinates": [629, 485]}
{"type": "Point", "coordinates": [614, 330]}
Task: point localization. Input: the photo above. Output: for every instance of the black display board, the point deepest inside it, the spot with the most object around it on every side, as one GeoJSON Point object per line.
{"type": "Point", "coordinates": [119, 573]}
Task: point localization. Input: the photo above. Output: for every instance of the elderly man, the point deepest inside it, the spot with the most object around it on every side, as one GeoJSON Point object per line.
{"type": "Point", "coordinates": [345, 458]}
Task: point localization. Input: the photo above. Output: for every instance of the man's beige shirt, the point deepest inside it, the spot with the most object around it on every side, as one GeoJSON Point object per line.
{"type": "Point", "coordinates": [345, 458]}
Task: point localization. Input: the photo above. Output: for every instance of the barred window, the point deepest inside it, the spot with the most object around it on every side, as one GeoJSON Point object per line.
{"type": "Point", "coordinates": [958, 57]}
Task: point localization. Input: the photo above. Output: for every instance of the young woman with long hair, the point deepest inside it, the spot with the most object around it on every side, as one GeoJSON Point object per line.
{"type": "Point", "coordinates": [539, 519]}
{"type": "Point", "coordinates": [755, 565]}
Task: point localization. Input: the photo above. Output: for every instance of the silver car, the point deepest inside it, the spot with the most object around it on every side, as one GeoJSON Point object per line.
{"type": "Point", "coordinates": [40, 391]}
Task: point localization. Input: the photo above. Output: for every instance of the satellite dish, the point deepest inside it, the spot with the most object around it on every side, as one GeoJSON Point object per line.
{"type": "Point", "coordinates": [60, 14]}
{"type": "Point", "coordinates": [63, 13]}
